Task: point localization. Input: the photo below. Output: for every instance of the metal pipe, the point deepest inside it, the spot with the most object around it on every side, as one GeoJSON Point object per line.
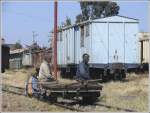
{"type": "Point", "coordinates": [141, 52]}
{"type": "Point", "coordinates": [55, 39]}
{"type": "Point", "coordinates": [108, 43]}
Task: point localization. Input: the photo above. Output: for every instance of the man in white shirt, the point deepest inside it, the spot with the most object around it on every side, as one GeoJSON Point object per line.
{"type": "Point", "coordinates": [45, 72]}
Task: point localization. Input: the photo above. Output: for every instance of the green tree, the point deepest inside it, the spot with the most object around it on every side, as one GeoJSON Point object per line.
{"type": "Point", "coordinates": [68, 21]}
{"type": "Point", "coordinates": [111, 9]}
{"type": "Point", "coordinates": [92, 10]}
{"type": "Point", "coordinates": [79, 18]}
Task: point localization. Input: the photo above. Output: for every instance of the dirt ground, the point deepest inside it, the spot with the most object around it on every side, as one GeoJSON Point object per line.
{"type": "Point", "coordinates": [130, 94]}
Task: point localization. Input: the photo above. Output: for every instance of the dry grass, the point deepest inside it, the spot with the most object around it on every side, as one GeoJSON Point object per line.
{"type": "Point", "coordinates": [19, 77]}
{"type": "Point", "coordinates": [16, 103]}
{"type": "Point", "coordinates": [16, 77]}
{"type": "Point", "coordinates": [132, 94]}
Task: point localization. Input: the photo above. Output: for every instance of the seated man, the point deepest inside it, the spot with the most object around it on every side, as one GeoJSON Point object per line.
{"type": "Point", "coordinates": [45, 72]}
{"type": "Point", "coordinates": [82, 72]}
{"type": "Point", "coordinates": [33, 86]}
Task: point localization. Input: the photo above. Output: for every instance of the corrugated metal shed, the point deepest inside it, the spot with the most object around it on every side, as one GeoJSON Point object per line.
{"type": "Point", "coordinates": [15, 63]}
{"type": "Point", "coordinates": [17, 51]}
{"type": "Point", "coordinates": [16, 58]}
{"type": "Point", "coordinates": [34, 58]}
{"type": "Point", "coordinates": [27, 59]}
{"type": "Point", "coordinates": [38, 57]}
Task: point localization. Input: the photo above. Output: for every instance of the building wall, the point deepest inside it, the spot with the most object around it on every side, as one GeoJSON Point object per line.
{"type": "Point", "coordinates": [144, 47]}
{"type": "Point", "coordinates": [5, 56]}
{"type": "Point", "coordinates": [16, 60]}
{"type": "Point", "coordinates": [34, 58]}
{"type": "Point", "coordinates": [27, 59]}
{"type": "Point", "coordinates": [15, 63]}
{"type": "Point", "coordinates": [37, 58]}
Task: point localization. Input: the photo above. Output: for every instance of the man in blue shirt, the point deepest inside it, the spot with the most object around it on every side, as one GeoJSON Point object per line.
{"type": "Point", "coordinates": [82, 72]}
{"type": "Point", "coordinates": [33, 86]}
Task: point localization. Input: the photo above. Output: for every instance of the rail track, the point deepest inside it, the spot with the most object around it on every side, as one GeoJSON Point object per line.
{"type": "Point", "coordinates": [6, 88]}
{"type": "Point", "coordinates": [20, 91]}
{"type": "Point", "coordinates": [69, 107]}
{"type": "Point", "coordinates": [118, 108]}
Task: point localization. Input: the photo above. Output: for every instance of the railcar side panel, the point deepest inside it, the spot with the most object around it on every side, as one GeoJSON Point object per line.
{"type": "Point", "coordinates": [99, 43]}
{"type": "Point", "coordinates": [131, 43]}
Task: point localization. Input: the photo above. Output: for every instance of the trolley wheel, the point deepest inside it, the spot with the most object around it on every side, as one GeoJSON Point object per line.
{"type": "Point", "coordinates": [117, 76]}
{"type": "Point", "coordinates": [105, 76]}
{"type": "Point", "coordinates": [123, 74]}
{"type": "Point", "coordinates": [2, 70]}
{"type": "Point", "coordinates": [52, 99]}
{"type": "Point", "coordinates": [88, 100]}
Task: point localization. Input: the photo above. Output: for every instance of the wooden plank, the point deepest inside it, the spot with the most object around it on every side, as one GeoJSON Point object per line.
{"type": "Point", "coordinates": [73, 87]}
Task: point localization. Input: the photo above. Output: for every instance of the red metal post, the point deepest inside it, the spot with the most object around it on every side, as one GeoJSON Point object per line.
{"type": "Point", "coordinates": [55, 39]}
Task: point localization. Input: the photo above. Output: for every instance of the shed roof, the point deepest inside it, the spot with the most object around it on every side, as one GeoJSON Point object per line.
{"type": "Point", "coordinates": [17, 51]}
{"type": "Point", "coordinates": [143, 36]}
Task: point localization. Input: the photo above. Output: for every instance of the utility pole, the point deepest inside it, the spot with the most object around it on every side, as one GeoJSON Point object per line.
{"type": "Point", "coordinates": [55, 39]}
{"type": "Point", "coordinates": [34, 35]}
{"type": "Point", "coordinates": [51, 38]}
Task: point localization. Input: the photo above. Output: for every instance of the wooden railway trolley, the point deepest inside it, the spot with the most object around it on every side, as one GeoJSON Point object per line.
{"type": "Point", "coordinates": [87, 90]}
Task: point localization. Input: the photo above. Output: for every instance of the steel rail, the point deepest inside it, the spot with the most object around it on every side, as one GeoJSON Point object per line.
{"type": "Point", "coordinates": [55, 103]}
{"type": "Point", "coordinates": [68, 106]}
{"type": "Point", "coordinates": [118, 108]}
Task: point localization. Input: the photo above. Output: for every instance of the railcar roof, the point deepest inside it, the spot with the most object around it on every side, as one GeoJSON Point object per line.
{"type": "Point", "coordinates": [116, 18]}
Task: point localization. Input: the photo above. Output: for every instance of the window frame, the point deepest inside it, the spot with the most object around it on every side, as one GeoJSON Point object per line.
{"type": "Point", "coordinates": [87, 30]}
{"type": "Point", "coordinates": [82, 35]}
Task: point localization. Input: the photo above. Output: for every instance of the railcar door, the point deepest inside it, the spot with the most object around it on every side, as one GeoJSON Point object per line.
{"type": "Point", "coordinates": [116, 43]}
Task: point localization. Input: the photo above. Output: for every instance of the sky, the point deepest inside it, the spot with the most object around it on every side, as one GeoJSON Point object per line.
{"type": "Point", "coordinates": [20, 19]}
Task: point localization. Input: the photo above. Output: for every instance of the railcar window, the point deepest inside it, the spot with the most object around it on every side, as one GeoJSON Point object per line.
{"type": "Point", "coordinates": [82, 36]}
{"type": "Point", "coordinates": [87, 30]}
{"type": "Point", "coordinates": [66, 34]}
{"type": "Point", "coordinates": [60, 35]}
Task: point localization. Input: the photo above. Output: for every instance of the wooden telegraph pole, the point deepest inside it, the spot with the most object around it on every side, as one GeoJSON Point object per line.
{"type": "Point", "coordinates": [55, 40]}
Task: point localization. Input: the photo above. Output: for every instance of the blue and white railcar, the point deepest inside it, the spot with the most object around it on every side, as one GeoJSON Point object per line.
{"type": "Point", "coordinates": [111, 42]}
